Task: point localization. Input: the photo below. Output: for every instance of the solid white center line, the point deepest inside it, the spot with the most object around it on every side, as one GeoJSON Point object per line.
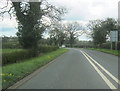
{"type": "Point", "coordinates": [113, 77]}
{"type": "Point", "coordinates": [100, 73]}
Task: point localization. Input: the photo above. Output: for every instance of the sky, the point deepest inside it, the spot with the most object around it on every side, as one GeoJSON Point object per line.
{"type": "Point", "coordinates": [78, 10]}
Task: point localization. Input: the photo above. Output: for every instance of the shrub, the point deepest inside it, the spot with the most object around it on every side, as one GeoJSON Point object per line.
{"type": "Point", "coordinates": [108, 45]}
{"type": "Point", "coordinates": [18, 56]}
{"type": "Point", "coordinates": [44, 49]}
{"type": "Point", "coordinates": [11, 45]}
{"type": "Point", "coordinates": [105, 45]}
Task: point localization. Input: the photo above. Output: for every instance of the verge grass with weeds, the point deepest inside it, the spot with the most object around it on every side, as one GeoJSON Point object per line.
{"type": "Point", "coordinates": [114, 52]}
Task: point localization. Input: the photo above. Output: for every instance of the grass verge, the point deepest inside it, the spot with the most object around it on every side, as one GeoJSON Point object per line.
{"type": "Point", "coordinates": [14, 72]}
{"type": "Point", "coordinates": [114, 52]}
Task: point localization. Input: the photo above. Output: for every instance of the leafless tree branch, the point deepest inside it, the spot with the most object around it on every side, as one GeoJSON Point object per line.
{"type": "Point", "coordinates": [5, 5]}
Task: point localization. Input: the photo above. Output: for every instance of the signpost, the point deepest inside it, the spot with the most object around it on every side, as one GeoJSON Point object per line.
{"type": "Point", "coordinates": [114, 38]}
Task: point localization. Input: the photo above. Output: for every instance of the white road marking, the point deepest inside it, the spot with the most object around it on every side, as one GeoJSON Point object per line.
{"type": "Point", "coordinates": [113, 77]}
{"type": "Point", "coordinates": [100, 73]}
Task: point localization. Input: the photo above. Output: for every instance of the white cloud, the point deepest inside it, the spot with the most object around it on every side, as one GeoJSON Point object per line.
{"type": "Point", "coordinates": [7, 22]}
{"type": "Point", "coordinates": [8, 27]}
{"type": "Point", "coordinates": [82, 22]}
{"type": "Point", "coordinates": [78, 10]}
{"type": "Point", "coordinates": [89, 9]}
{"type": "Point", "coordinates": [84, 10]}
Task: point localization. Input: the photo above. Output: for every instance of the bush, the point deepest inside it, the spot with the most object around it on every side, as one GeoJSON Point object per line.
{"type": "Point", "coordinates": [18, 56]}
{"type": "Point", "coordinates": [105, 45]}
{"type": "Point", "coordinates": [11, 45]}
{"type": "Point", "coordinates": [108, 45]}
{"type": "Point", "coordinates": [44, 49]}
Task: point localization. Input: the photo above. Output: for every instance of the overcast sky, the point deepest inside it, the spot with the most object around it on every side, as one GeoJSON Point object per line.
{"type": "Point", "coordinates": [78, 10]}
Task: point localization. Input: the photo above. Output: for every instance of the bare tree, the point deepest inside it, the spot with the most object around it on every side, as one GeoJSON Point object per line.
{"type": "Point", "coordinates": [57, 34]}
{"type": "Point", "coordinates": [74, 30]}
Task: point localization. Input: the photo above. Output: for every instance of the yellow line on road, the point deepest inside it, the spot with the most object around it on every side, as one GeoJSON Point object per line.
{"type": "Point", "coordinates": [113, 77]}
{"type": "Point", "coordinates": [100, 73]}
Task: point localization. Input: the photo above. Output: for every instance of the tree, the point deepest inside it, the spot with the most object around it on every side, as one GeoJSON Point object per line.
{"type": "Point", "coordinates": [57, 35]}
{"type": "Point", "coordinates": [97, 32]}
{"type": "Point", "coordinates": [5, 39]}
{"type": "Point", "coordinates": [110, 24]}
{"type": "Point", "coordinates": [30, 23]}
{"type": "Point", "coordinates": [29, 32]}
{"type": "Point", "coordinates": [100, 29]}
{"type": "Point", "coordinates": [73, 30]}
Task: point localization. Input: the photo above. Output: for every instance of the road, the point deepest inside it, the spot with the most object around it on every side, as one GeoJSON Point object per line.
{"type": "Point", "coordinates": [77, 69]}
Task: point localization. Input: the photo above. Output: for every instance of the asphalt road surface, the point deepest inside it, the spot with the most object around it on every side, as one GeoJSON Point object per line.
{"type": "Point", "coordinates": [78, 69]}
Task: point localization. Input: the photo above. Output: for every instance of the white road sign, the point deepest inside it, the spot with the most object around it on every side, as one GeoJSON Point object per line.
{"type": "Point", "coordinates": [113, 36]}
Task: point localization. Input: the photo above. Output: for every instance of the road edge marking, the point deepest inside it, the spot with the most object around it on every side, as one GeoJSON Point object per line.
{"type": "Point", "coordinates": [113, 77]}
{"type": "Point", "coordinates": [100, 73]}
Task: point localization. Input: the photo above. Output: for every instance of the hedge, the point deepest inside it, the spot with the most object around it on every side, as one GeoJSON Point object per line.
{"type": "Point", "coordinates": [18, 56]}
{"type": "Point", "coordinates": [11, 45]}
{"type": "Point", "coordinates": [44, 49]}
{"type": "Point", "coordinates": [108, 45]}
{"type": "Point", "coordinates": [80, 46]}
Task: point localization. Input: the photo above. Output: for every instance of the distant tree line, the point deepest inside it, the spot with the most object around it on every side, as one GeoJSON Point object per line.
{"type": "Point", "coordinates": [59, 34]}
{"type": "Point", "coordinates": [35, 18]}
{"type": "Point", "coordinates": [100, 30]}
{"type": "Point", "coordinates": [66, 33]}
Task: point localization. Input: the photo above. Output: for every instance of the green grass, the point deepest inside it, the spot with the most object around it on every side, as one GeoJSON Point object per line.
{"type": "Point", "coordinates": [14, 72]}
{"type": "Point", "coordinates": [114, 52]}
{"type": "Point", "coordinates": [10, 50]}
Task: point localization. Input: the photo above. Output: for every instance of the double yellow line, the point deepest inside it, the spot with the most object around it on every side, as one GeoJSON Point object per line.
{"type": "Point", "coordinates": [107, 81]}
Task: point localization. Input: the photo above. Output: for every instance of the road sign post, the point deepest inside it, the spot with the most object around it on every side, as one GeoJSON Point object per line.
{"type": "Point", "coordinates": [114, 38]}
{"type": "Point", "coordinates": [111, 45]}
